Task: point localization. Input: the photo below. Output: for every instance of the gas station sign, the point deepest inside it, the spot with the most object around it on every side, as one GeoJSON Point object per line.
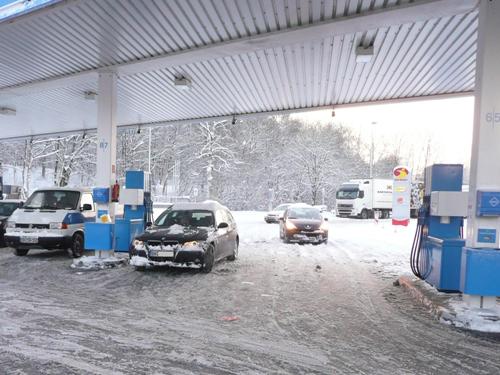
{"type": "Point", "coordinates": [401, 195]}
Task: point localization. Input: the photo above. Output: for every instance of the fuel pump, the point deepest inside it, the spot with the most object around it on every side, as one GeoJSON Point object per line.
{"type": "Point", "coordinates": [437, 247]}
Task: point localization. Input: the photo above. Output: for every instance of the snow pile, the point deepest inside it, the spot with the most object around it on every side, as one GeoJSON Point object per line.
{"type": "Point", "coordinates": [137, 261]}
{"type": "Point", "coordinates": [462, 315]}
{"type": "Point", "coordinates": [89, 263]}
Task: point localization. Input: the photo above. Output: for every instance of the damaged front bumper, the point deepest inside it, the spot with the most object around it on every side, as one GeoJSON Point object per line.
{"type": "Point", "coordinates": [308, 237]}
{"type": "Point", "coordinates": [170, 256]}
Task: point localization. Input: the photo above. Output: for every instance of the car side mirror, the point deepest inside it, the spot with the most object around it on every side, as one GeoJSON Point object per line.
{"type": "Point", "coordinates": [325, 218]}
{"type": "Point", "coordinates": [149, 224]}
{"type": "Point", "coordinates": [223, 225]}
{"type": "Point", "coordinates": [87, 207]}
{"type": "Point", "coordinates": [361, 194]}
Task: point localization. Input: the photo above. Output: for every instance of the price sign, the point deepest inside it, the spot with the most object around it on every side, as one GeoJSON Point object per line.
{"type": "Point", "coordinates": [401, 196]}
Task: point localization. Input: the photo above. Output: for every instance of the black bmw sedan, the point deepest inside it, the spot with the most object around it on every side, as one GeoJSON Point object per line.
{"type": "Point", "coordinates": [190, 234]}
{"type": "Point", "coordinates": [303, 224]}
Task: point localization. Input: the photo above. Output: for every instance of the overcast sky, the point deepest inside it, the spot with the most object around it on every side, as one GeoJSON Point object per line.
{"type": "Point", "coordinates": [447, 123]}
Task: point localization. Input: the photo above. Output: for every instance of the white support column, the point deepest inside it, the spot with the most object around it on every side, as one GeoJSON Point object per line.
{"type": "Point", "coordinates": [485, 158]}
{"type": "Point", "coordinates": [106, 137]}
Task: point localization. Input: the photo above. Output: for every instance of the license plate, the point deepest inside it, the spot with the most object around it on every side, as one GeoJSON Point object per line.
{"type": "Point", "coordinates": [165, 253]}
{"type": "Point", "coordinates": [29, 239]}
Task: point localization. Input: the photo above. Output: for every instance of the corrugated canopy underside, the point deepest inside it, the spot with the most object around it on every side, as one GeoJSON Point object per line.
{"type": "Point", "coordinates": [49, 58]}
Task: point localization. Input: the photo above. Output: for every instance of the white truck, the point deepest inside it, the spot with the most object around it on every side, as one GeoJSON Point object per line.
{"type": "Point", "coordinates": [362, 198]}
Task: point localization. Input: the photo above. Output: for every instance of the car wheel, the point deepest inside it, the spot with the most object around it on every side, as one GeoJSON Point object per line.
{"type": "Point", "coordinates": [285, 238]}
{"type": "Point", "coordinates": [364, 214]}
{"type": "Point", "coordinates": [235, 252]}
{"type": "Point", "coordinates": [21, 252]}
{"type": "Point", "coordinates": [209, 259]}
{"type": "Point", "coordinates": [76, 250]}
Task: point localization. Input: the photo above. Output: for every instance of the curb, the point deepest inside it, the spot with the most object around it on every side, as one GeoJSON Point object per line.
{"type": "Point", "coordinates": [448, 308]}
{"type": "Point", "coordinates": [437, 310]}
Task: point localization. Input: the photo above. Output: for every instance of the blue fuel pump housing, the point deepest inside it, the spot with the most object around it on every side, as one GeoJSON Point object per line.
{"type": "Point", "coordinates": [437, 248]}
{"type": "Point", "coordinates": [138, 210]}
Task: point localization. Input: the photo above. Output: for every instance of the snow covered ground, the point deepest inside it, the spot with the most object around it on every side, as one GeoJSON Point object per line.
{"type": "Point", "coordinates": [367, 241]}
{"type": "Point", "coordinates": [279, 309]}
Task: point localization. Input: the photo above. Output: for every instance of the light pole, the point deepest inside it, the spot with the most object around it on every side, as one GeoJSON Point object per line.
{"type": "Point", "coordinates": [149, 151]}
{"type": "Point", "coordinates": [372, 150]}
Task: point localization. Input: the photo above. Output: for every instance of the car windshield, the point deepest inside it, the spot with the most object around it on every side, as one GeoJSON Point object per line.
{"type": "Point", "coordinates": [281, 207]}
{"type": "Point", "coordinates": [7, 208]}
{"type": "Point", "coordinates": [347, 193]}
{"type": "Point", "coordinates": [53, 200]}
{"type": "Point", "coordinates": [186, 218]}
{"type": "Point", "coordinates": [304, 213]}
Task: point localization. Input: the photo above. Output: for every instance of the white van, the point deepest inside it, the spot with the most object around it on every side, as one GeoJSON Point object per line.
{"type": "Point", "coordinates": [51, 219]}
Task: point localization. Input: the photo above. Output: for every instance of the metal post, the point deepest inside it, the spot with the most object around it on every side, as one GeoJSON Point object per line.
{"type": "Point", "coordinates": [485, 156]}
{"type": "Point", "coordinates": [149, 151]}
{"type": "Point", "coordinates": [106, 139]}
{"type": "Point", "coordinates": [372, 150]}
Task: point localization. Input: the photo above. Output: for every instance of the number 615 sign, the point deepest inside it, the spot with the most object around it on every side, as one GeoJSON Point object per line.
{"type": "Point", "coordinates": [493, 117]}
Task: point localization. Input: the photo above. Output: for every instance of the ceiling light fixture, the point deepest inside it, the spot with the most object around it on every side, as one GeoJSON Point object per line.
{"type": "Point", "coordinates": [364, 54]}
{"type": "Point", "coordinates": [7, 111]}
{"type": "Point", "coordinates": [90, 95]}
{"type": "Point", "coordinates": [182, 83]}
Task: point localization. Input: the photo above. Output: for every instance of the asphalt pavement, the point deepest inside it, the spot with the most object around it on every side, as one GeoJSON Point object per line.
{"type": "Point", "coordinates": [279, 309]}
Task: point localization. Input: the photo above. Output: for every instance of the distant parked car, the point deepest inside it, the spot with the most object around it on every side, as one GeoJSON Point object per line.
{"type": "Point", "coordinates": [277, 213]}
{"type": "Point", "coordinates": [303, 224]}
{"type": "Point", "coordinates": [188, 234]}
{"type": "Point", "coordinates": [7, 207]}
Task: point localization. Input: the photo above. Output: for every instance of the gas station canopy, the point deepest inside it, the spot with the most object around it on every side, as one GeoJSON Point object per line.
{"type": "Point", "coordinates": [191, 60]}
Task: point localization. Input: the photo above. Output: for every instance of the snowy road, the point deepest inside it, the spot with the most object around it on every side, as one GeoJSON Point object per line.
{"type": "Point", "coordinates": [299, 310]}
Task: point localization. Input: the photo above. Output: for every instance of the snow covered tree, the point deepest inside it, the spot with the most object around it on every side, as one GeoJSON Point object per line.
{"type": "Point", "coordinates": [72, 153]}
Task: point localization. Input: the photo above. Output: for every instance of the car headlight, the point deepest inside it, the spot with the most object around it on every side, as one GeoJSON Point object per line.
{"type": "Point", "coordinates": [138, 243]}
{"type": "Point", "coordinates": [289, 225]}
{"type": "Point", "coordinates": [191, 244]}
{"type": "Point", "coordinates": [11, 224]}
{"type": "Point", "coordinates": [55, 225]}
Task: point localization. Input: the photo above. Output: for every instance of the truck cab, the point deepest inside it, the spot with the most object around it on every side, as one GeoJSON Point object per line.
{"type": "Point", "coordinates": [51, 219]}
{"type": "Point", "coordinates": [362, 198]}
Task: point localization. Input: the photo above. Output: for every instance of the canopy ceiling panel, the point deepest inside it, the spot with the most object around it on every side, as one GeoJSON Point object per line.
{"type": "Point", "coordinates": [241, 56]}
